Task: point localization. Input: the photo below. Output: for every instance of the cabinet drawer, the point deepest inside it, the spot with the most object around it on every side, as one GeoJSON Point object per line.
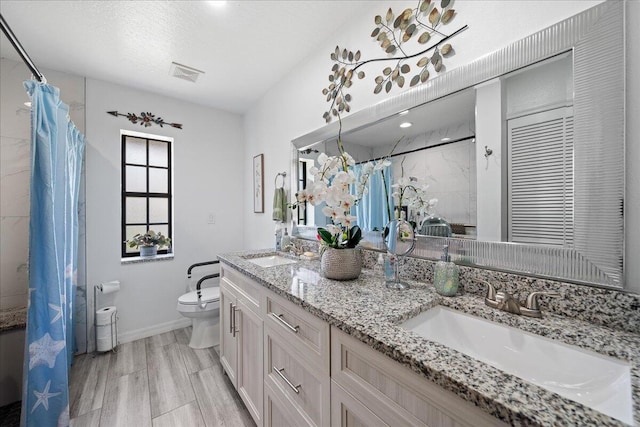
{"type": "Point", "coordinates": [247, 287]}
{"type": "Point", "coordinates": [303, 384]}
{"type": "Point", "coordinates": [302, 329]}
{"type": "Point", "coordinates": [396, 394]}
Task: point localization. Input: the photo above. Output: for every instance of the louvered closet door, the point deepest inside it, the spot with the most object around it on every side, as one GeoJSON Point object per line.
{"type": "Point", "coordinates": [541, 178]}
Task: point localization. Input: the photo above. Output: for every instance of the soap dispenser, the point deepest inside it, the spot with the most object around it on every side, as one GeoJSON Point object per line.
{"type": "Point", "coordinates": [445, 275]}
{"type": "Point", "coordinates": [285, 241]}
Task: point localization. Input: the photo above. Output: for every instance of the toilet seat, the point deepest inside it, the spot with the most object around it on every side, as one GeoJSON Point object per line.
{"type": "Point", "coordinates": [188, 303]}
{"type": "Point", "coordinates": [208, 295]}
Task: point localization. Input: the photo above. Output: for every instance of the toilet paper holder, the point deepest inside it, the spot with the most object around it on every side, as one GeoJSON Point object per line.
{"type": "Point", "coordinates": [106, 288]}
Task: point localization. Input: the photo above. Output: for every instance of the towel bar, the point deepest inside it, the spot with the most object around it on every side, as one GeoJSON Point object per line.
{"type": "Point", "coordinates": [275, 181]}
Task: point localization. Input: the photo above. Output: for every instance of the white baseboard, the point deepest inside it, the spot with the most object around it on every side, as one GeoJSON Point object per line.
{"type": "Point", "coordinates": [153, 330]}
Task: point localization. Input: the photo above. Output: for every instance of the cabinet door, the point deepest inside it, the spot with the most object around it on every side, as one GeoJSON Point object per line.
{"type": "Point", "coordinates": [347, 411]}
{"type": "Point", "coordinates": [250, 357]}
{"type": "Point", "coordinates": [228, 328]}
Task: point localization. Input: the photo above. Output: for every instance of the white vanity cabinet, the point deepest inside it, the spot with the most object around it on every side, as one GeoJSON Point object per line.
{"type": "Point", "coordinates": [369, 388]}
{"type": "Point", "coordinates": [292, 369]}
{"type": "Point", "coordinates": [241, 338]}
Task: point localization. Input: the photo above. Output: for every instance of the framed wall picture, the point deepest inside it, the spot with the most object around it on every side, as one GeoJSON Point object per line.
{"type": "Point", "coordinates": [258, 183]}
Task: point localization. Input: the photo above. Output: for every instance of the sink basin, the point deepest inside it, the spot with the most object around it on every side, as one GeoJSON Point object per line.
{"type": "Point", "coordinates": [271, 261]}
{"type": "Point", "coordinates": [599, 382]}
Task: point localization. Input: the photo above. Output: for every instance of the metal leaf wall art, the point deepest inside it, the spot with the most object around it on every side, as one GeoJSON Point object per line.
{"type": "Point", "coordinates": [145, 119]}
{"type": "Point", "coordinates": [393, 33]}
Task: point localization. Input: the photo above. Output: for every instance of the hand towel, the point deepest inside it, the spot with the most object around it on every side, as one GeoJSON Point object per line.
{"type": "Point", "coordinates": [280, 205]}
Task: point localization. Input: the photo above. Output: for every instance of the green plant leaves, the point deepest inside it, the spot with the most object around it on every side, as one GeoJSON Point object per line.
{"type": "Point", "coordinates": [355, 235]}
{"type": "Point", "coordinates": [325, 236]}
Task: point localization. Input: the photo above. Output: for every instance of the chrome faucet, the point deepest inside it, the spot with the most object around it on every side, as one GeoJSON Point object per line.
{"type": "Point", "coordinates": [506, 302]}
{"type": "Point", "coordinates": [295, 248]}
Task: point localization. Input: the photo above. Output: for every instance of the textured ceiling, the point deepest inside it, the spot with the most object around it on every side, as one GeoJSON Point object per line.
{"type": "Point", "coordinates": [238, 46]}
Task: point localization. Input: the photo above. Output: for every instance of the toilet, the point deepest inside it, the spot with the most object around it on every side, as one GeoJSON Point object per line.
{"type": "Point", "coordinates": [204, 315]}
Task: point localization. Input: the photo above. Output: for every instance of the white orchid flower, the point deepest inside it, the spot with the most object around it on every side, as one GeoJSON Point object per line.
{"type": "Point", "coordinates": [333, 229]}
{"type": "Point", "coordinates": [301, 196]}
{"type": "Point", "coordinates": [329, 211]}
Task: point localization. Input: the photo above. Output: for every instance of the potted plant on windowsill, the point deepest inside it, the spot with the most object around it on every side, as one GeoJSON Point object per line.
{"type": "Point", "coordinates": [148, 243]}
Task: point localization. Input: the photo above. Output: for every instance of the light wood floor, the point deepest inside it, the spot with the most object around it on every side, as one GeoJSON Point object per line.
{"type": "Point", "coordinates": [157, 381]}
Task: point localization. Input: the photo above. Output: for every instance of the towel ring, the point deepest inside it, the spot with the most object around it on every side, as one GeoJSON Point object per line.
{"type": "Point", "coordinates": [275, 181]}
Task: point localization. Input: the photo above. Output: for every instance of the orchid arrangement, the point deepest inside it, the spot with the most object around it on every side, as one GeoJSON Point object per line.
{"type": "Point", "coordinates": [413, 192]}
{"type": "Point", "coordinates": [331, 184]}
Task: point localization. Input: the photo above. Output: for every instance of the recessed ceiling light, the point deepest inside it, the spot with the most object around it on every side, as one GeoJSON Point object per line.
{"type": "Point", "coordinates": [218, 3]}
{"type": "Point", "coordinates": [28, 104]}
{"type": "Point", "coordinates": [406, 125]}
{"type": "Point", "coordinates": [445, 139]}
{"type": "Point", "coordinates": [402, 113]}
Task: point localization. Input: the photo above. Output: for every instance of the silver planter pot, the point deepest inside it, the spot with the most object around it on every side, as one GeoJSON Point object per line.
{"type": "Point", "coordinates": [341, 264]}
{"type": "Point", "coordinates": [148, 250]}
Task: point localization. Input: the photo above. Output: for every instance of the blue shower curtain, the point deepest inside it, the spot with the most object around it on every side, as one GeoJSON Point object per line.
{"type": "Point", "coordinates": [57, 148]}
{"type": "Point", "coordinates": [372, 209]}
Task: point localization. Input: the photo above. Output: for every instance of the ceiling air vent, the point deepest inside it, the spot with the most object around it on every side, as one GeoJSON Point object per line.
{"type": "Point", "coordinates": [183, 72]}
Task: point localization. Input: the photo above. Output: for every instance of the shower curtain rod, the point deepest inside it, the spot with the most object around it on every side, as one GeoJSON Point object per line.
{"type": "Point", "coordinates": [23, 54]}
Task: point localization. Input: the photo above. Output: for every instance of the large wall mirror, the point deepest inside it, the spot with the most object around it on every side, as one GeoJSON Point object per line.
{"type": "Point", "coordinates": [523, 148]}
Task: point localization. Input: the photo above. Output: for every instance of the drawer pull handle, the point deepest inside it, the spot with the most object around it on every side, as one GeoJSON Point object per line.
{"type": "Point", "coordinates": [279, 318]}
{"type": "Point", "coordinates": [295, 388]}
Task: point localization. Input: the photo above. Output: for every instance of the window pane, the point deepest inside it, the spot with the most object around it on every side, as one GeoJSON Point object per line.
{"type": "Point", "coordinates": [136, 209]}
{"type": "Point", "coordinates": [136, 179]}
{"type": "Point", "coordinates": [132, 231]}
{"type": "Point", "coordinates": [158, 153]}
{"type": "Point", "coordinates": [158, 210]}
{"type": "Point", "coordinates": [136, 150]}
{"type": "Point", "coordinates": [158, 180]}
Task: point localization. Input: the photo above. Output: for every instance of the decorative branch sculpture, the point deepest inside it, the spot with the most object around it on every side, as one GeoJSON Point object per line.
{"type": "Point", "coordinates": [145, 119]}
{"type": "Point", "coordinates": [393, 33]}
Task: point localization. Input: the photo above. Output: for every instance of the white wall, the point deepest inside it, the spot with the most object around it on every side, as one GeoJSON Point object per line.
{"type": "Point", "coordinates": [295, 105]}
{"type": "Point", "coordinates": [208, 166]}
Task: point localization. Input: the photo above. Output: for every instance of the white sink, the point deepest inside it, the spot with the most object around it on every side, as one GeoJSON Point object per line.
{"type": "Point", "coordinates": [599, 382]}
{"type": "Point", "coordinates": [271, 261]}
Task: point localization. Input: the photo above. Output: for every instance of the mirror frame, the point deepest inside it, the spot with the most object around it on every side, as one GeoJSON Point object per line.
{"type": "Point", "coordinates": [597, 258]}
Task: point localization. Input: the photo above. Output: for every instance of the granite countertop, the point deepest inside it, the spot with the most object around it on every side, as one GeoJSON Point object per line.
{"type": "Point", "coordinates": [13, 318]}
{"type": "Point", "coordinates": [368, 311]}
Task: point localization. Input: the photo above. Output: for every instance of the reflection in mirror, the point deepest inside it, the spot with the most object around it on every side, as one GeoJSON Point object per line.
{"type": "Point", "coordinates": [513, 172]}
{"type": "Point", "coordinates": [399, 240]}
{"type": "Point", "coordinates": [438, 148]}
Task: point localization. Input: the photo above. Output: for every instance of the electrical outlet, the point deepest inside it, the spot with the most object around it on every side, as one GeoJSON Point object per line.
{"type": "Point", "coordinates": [211, 219]}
